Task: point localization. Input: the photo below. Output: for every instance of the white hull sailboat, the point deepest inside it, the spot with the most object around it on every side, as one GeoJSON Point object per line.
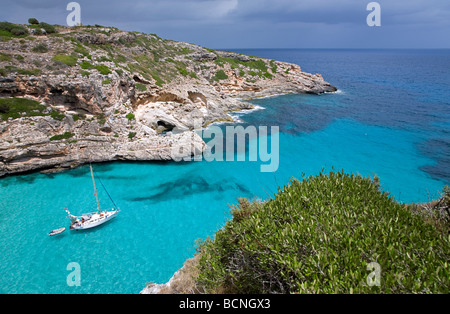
{"type": "Point", "coordinates": [91, 220]}
{"type": "Point", "coordinates": [95, 219]}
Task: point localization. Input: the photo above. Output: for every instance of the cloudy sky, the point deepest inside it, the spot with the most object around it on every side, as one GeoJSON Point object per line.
{"type": "Point", "coordinates": [258, 23]}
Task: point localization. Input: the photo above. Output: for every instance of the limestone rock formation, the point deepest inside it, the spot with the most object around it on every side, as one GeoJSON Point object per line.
{"type": "Point", "coordinates": [102, 94]}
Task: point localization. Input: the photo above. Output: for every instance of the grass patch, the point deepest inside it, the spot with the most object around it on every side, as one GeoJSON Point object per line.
{"type": "Point", "coordinates": [131, 135]}
{"type": "Point", "coordinates": [67, 60]}
{"type": "Point", "coordinates": [29, 71]}
{"type": "Point", "coordinates": [268, 75]}
{"type": "Point", "coordinates": [141, 87]}
{"type": "Point", "coordinates": [82, 50]}
{"type": "Point", "coordinates": [5, 57]}
{"type": "Point", "coordinates": [56, 115]}
{"type": "Point", "coordinates": [220, 75]}
{"type": "Point", "coordinates": [10, 30]}
{"type": "Point", "coordinates": [103, 69]}
{"type": "Point", "coordinates": [85, 73]}
{"type": "Point", "coordinates": [273, 66]}
{"type": "Point", "coordinates": [183, 71]}
{"type": "Point", "coordinates": [41, 48]}
{"type": "Point", "coordinates": [20, 107]}
{"type": "Point", "coordinates": [319, 236]}
{"type": "Point", "coordinates": [158, 81]}
{"type": "Point", "coordinates": [64, 136]}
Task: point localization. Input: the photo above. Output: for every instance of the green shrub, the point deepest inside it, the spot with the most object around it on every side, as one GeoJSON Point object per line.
{"type": "Point", "coordinates": [273, 66]}
{"type": "Point", "coordinates": [220, 75]}
{"type": "Point", "coordinates": [319, 236]}
{"type": "Point", "coordinates": [83, 51]}
{"type": "Point", "coordinates": [141, 87]}
{"type": "Point", "coordinates": [12, 30]}
{"type": "Point", "coordinates": [60, 137]}
{"type": "Point", "coordinates": [5, 35]}
{"type": "Point", "coordinates": [67, 60]}
{"type": "Point", "coordinates": [103, 69]}
{"type": "Point", "coordinates": [11, 68]}
{"type": "Point", "coordinates": [42, 48]}
{"type": "Point", "coordinates": [19, 31]}
{"type": "Point", "coordinates": [120, 59]}
{"type": "Point", "coordinates": [5, 57]}
{"type": "Point", "coordinates": [104, 59]}
{"type": "Point", "coordinates": [20, 107]}
{"type": "Point", "coordinates": [29, 71]}
{"type": "Point", "coordinates": [131, 135]}
{"type": "Point", "coordinates": [130, 116]}
{"type": "Point", "coordinates": [56, 115]}
{"type": "Point", "coordinates": [47, 27]}
{"type": "Point", "coordinates": [268, 75]}
{"type": "Point", "coordinates": [101, 119]}
{"type": "Point", "coordinates": [33, 21]}
{"type": "Point", "coordinates": [86, 65]}
{"type": "Point", "coordinates": [158, 80]}
{"type": "Point", "coordinates": [4, 108]}
{"type": "Point", "coordinates": [183, 71]}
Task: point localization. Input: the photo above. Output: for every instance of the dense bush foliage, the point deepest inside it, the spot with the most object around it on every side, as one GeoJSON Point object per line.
{"type": "Point", "coordinates": [103, 69]}
{"type": "Point", "coordinates": [41, 47]}
{"type": "Point", "coordinates": [33, 21]}
{"type": "Point", "coordinates": [319, 236]}
{"type": "Point", "coordinates": [67, 60]}
{"type": "Point", "coordinates": [220, 75]}
{"type": "Point", "coordinates": [49, 29]}
{"type": "Point", "coordinates": [8, 30]}
{"type": "Point", "coordinates": [16, 107]}
{"type": "Point", "coordinates": [19, 107]}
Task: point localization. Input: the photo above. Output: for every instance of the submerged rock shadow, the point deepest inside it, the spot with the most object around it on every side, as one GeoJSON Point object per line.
{"type": "Point", "coordinates": [184, 187]}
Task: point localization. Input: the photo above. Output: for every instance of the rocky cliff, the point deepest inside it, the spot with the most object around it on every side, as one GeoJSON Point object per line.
{"type": "Point", "coordinates": [98, 94]}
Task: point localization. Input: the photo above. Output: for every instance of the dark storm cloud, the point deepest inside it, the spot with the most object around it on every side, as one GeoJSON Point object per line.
{"type": "Point", "coordinates": [257, 23]}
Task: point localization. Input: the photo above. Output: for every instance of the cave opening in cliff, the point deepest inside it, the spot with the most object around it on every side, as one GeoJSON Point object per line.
{"type": "Point", "coordinates": [164, 126]}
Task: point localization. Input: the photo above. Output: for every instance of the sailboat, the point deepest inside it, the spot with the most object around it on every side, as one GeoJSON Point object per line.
{"type": "Point", "coordinates": [95, 219]}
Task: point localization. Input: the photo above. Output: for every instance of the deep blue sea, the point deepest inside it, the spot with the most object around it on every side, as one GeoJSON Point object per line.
{"type": "Point", "coordinates": [390, 117]}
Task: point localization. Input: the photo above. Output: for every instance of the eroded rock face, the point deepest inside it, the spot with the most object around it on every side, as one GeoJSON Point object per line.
{"type": "Point", "coordinates": [128, 96]}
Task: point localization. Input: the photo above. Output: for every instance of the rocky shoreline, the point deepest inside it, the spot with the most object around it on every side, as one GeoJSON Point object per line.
{"type": "Point", "coordinates": [113, 95]}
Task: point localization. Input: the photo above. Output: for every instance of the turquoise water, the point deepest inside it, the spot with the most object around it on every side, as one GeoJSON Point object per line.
{"type": "Point", "coordinates": [383, 121]}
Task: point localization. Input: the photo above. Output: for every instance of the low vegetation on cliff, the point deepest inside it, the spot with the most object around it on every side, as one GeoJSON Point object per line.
{"type": "Point", "coordinates": [324, 234]}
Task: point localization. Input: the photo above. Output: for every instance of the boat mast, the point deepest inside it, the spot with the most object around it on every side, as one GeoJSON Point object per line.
{"type": "Point", "coordinates": [95, 189]}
